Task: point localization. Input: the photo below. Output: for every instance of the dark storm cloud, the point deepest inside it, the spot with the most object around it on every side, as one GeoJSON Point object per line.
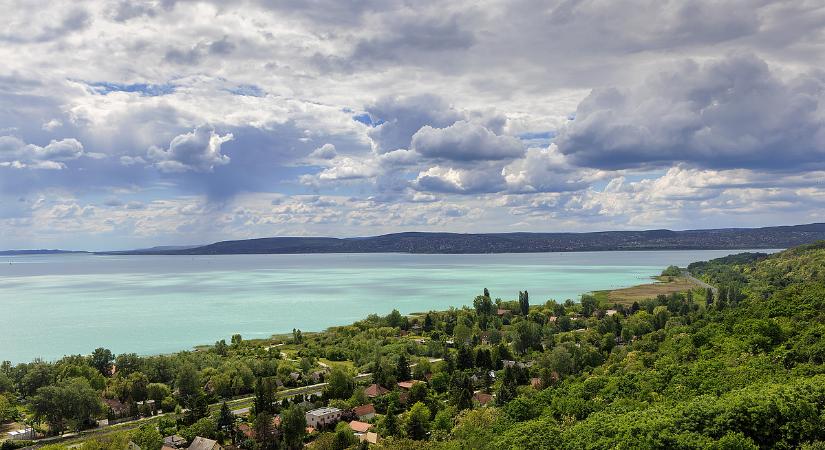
{"type": "Point", "coordinates": [725, 113]}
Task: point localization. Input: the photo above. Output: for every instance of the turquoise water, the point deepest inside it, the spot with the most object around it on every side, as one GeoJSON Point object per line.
{"type": "Point", "coordinates": [67, 304]}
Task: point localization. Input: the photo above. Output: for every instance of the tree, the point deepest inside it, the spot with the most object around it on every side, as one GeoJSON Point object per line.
{"type": "Point", "coordinates": [147, 437]}
{"type": "Point", "coordinates": [157, 392]}
{"type": "Point", "coordinates": [296, 336]}
{"type": "Point", "coordinates": [402, 370]}
{"type": "Point", "coordinates": [418, 392]}
{"type": "Point", "coordinates": [526, 336]}
{"type": "Point", "coordinates": [127, 363]}
{"type": "Point", "coordinates": [461, 391]}
{"type": "Point", "coordinates": [265, 431]}
{"type": "Point", "coordinates": [264, 400]}
{"type": "Point", "coordinates": [293, 424]}
{"type": "Point", "coordinates": [70, 403]}
{"type": "Point", "coordinates": [483, 359]}
{"type": "Point", "coordinates": [102, 359]}
{"type": "Point", "coordinates": [507, 390]}
{"type": "Point", "coordinates": [588, 305]}
{"type": "Point", "coordinates": [221, 348]}
{"type": "Point", "coordinates": [418, 422]}
{"type": "Point", "coordinates": [339, 385]}
{"type": "Point", "coordinates": [188, 382]}
{"type": "Point", "coordinates": [483, 305]}
{"type": "Point", "coordinates": [428, 323]}
{"type": "Point", "coordinates": [390, 423]}
{"type": "Point", "coordinates": [236, 340]}
{"type": "Point", "coordinates": [708, 296]}
{"type": "Point", "coordinates": [394, 319]}
{"type": "Point", "coordinates": [465, 358]}
{"type": "Point", "coordinates": [462, 333]}
{"type": "Point", "coordinates": [524, 303]}
{"type": "Point", "coordinates": [226, 420]}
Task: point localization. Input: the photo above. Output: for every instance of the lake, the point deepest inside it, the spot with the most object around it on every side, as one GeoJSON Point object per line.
{"type": "Point", "coordinates": [53, 305]}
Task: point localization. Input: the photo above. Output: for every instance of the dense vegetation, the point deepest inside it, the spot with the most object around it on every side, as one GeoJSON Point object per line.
{"type": "Point", "coordinates": [728, 238]}
{"type": "Point", "coordinates": [739, 367]}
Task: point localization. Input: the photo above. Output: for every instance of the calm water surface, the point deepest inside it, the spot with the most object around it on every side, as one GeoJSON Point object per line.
{"type": "Point", "coordinates": [66, 304]}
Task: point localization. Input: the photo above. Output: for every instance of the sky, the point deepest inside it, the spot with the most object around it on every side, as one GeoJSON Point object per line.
{"type": "Point", "coordinates": [128, 124]}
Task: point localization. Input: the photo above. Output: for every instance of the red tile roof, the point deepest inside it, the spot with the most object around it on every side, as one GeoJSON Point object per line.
{"type": "Point", "coordinates": [359, 427]}
{"type": "Point", "coordinates": [375, 390]}
{"type": "Point", "coordinates": [363, 410]}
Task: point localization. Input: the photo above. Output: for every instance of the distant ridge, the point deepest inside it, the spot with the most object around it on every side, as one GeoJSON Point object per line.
{"type": "Point", "coordinates": [456, 243]}
{"type": "Point", "coordinates": [37, 252]}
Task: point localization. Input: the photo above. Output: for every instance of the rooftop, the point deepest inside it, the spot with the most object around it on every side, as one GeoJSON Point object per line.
{"type": "Point", "coordinates": [324, 411]}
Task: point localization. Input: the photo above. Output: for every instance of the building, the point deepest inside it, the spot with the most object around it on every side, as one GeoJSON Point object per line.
{"type": "Point", "coordinates": [28, 434]}
{"type": "Point", "coordinates": [375, 390]}
{"type": "Point", "coordinates": [322, 417]}
{"type": "Point", "coordinates": [407, 385]}
{"type": "Point", "coordinates": [364, 412]}
{"type": "Point", "coordinates": [369, 436]}
{"type": "Point", "coordinates": [174, 441]}
{"type": "Point", "coordinates": [359, 427]}
{"type": "Point", "coordinates": [201, 443]}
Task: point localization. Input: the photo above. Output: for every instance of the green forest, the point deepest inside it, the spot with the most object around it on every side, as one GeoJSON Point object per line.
{"type": "Point", "coordinates": [738, 366]}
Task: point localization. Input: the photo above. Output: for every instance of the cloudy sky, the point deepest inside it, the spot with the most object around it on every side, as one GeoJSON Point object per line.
{"type": "Point", "coordinates": [128, 124]}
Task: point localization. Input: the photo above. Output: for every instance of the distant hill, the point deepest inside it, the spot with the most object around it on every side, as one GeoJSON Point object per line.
{"type": "Point", "coordinates": [35, 252]}
{"type": "Point", "coordinates": [421, 242]}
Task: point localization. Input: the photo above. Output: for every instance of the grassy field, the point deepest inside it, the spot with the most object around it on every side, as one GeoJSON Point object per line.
{"type": "Point", "coordinates": [663, 285]}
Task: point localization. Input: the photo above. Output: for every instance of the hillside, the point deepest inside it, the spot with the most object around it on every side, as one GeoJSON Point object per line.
{"type": "Point", "coordinates": [419, 242]}
{"type": "Point", "coordinates": [742, 369]}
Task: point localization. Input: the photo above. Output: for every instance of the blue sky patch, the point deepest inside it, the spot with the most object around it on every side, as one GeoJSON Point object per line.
{"type": "Point", "coordinates": [144, 89]}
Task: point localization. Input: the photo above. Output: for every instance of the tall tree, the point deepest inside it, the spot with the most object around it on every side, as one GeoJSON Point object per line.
{"type": "Point", "coordinates": [418, 422]}
{"type": "Point", "coordinates": [461, 391]}
{"type": "Point", "coordinates": [265, 431]}
{"type": "Point", "coordinates": [390, 423]}
{"type": "Point", "coordinates": [293, 424]}
{"type": "Point", "coordinates": [402, 372]}
{"type": "Point", "coordinates": [102, 359]}
{"type": "Point", "coordinates": [226, 420]}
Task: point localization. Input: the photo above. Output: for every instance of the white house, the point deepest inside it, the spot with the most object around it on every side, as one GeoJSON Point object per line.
{"type": "Point", "coordinates": [321, 417]}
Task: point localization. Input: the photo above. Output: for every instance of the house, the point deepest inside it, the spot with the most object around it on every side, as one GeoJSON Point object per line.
{"type": "Point", "coordinates": [364, 412]}
{"type": "Point", "coordinates": [174, 441]}
{"type": "Point", "coordinates": [19, 435]}
{"type": "Point", "coordinates": [321, 417]}
{"type": "Point", "coordinates": [519, 364]}
{"type": "Point", "coordinates": [201, 443]}
{"type": "Point", "coordinates": [246, 431]}
{"type": "Point", "coordinates": [500, 312]}
{"type": "Point", "coordinates": [552, 319]}
{"type": "Point", "coordinates": [375, 390]}
{"type": "Point", "coordinates": [610, 312]}
{"type": "Point", "coordinates": [482, 398]}
{"type": "Point", "coordinates": [369, 436]}
{"type": "Point", "coordinates": [359, 427]}
{"type": "Point", "coordinates": [116, 408]}
{"type": "Point", "coordinates": [535, 383]}
{"type": "Point", "coordinates": [407, 385]}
